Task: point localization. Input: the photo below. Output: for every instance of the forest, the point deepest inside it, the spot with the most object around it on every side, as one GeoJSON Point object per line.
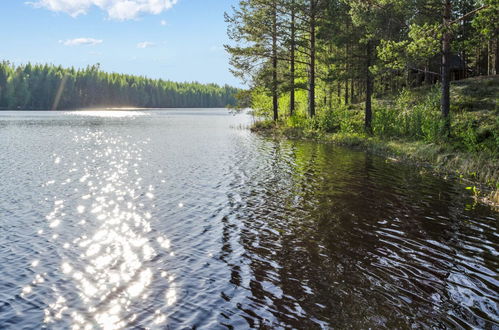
{"type": "Point", "coordinates": [309, 57]}
{"type": "Point", "coordinates": [411, 80]}
{"type": "Point", "coordinates": [36, 86]}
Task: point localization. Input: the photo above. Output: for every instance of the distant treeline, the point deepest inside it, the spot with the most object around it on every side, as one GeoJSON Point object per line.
{"type": "Point", "coordinates": [54, 87]}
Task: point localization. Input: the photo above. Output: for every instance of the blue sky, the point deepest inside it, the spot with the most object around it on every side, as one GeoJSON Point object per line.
{"type": "Point", "coordinates": [180, 40]}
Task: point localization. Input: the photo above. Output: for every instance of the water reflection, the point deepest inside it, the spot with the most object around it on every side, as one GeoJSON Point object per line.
{"type": "Point", "coordinates": [174, 219]}
{"type": "Point", "coordinates": [109, 261]}
{"type": "Point", "coordinates": [345, 239]}
{"type": "Point", "coordinates": [108, 113]}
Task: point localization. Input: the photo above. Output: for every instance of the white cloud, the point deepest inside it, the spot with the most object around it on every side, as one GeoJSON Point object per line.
{"type": "Point", "coordinates": [145, 44]}
{"type": "Point", "coordinates": [81, 41]}
{"type": "Point", "coordinates": [116, 9]}
{"type": "Point", "coordinates": [163, 22]}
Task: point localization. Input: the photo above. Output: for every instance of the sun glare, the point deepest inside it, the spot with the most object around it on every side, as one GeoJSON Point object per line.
{"type": "Point", "coordinates": [113, 270]}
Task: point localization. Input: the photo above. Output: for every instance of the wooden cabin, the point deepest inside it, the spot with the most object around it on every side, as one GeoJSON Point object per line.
{"type": "Point", "coordinates": [431, 73]}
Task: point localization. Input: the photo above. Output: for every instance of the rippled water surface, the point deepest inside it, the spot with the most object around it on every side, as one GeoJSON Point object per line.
{"type": "Point", "coordinates": [181, 218]}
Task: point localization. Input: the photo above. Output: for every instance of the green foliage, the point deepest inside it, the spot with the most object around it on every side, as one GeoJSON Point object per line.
{"type": "Point", "coordinates": [340, 119]}
{"type": "Point", "coordinates": [469, 137]}
{"type": "Point", "coordinates": [410, 117]}
{"type": "Point", "coordinates": [486, 21]}
{"type": "Point", "coordinates": [263, 125]}
{"type": "Point", "coordinates": [243, 98]}
{"type": "Point", "coordinates": [414, 115]}
{"type": "Point", "coordinates": [419, 116]}
{"type": "Point", "coordinates": [261, 103]}
{"type": "Point", "coordinates": [35, 87]}
{"type": "Point", "coordinates": [393, 46]}
{"type": "Point", "coordinates": [349, 120]}
{"type": "Point", "coordinates": [327, 121]}
{"type": "Point", "coordinates": [476, 132]}
{"type": "Point", "coordinates": [474, 190]}
{"type": "Point", "coordinates": [297, 121]}
{"type": "Point", "coordinates": [424, 41]}
{"type": "Point", "coordinates": [385, 121]}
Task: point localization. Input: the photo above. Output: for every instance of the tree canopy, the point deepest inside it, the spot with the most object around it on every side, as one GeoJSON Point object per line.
{"type": "Point", "coordinates": [347, 51]}
{"type": "Point", "coordinates": [54, 87]}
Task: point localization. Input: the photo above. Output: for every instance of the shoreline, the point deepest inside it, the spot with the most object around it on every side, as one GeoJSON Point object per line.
{"type": "Point", "coordinates": [111, 109]}
{"type": "Point", "coordinates": [477, 170]}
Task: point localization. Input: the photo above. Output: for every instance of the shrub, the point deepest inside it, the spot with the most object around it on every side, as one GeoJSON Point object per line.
{"type": "Point", "coordinates": [411, 116]}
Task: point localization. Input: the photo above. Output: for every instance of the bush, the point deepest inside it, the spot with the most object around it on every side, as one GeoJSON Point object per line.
{"type": "Point", "coordinates": [296, 121]}
{"type": "Point", "coordinates": [327, 121]}
{"type": "Point", "coordinates": [473, 133]}
{"type": "Point", "coordinates": [263, 125]}
{"type": "Point", "coordinates": [411, 116]}
{"type": "Point", "coordinates": [385, 122]}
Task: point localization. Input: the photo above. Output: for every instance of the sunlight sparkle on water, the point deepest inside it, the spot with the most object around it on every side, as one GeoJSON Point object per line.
{"type": "Point", "coordinates": [171, 296]}
{"type": "Point", "coordinates": [66, 268]}
{"type": "Point", "coordinates": [107, 113]}
{"type": "Point", "coordinates": [109, 263]}
{"type": "Point", "coordinates": [27, 289]}
{"type": "Point", "coordinates": [55, 223]}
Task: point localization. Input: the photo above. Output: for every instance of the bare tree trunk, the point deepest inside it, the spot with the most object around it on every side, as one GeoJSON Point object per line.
{"type": "Point", "coordinates": [464, 55]}
{"type": "Point", "coordinates": [311, 84]}
{"type": "Point", "coordinates": [427, 79]}
{"type": "Point", "coordinates": [465, 64]}
{"type": "Point", "coordinates": [275, 97]}
{"type": "Point", "coordinates": [292, 102]}
{"type": "Point", "coordinates": [346, 71]}
{"type": "Point", "coordinates": [369, 89]}
{"type": "Point", "coordinates": [497, 57]}
{"type": "Point", "coordinates": [330, 101]}
{"type": "Point", "coordinates": [445, 98]}
{"type": "Point", "coordinates": [347, 94]}
{"type": "Point", "coordinates": [477, 62]}
{"type": "Point", "coordinates": [347, 67]}
{"type": "Point", "coordinates": [351, 91]}
{"type": "Point", "coordinates": [488, 59]}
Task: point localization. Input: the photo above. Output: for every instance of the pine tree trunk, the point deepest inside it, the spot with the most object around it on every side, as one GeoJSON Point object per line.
{"type": "Point", "coordinates": [488, 59]}
{"type": "Point", "coordinates": [427, 79]}
{"type": "Point", "coordinates": [369, 89]}
{"type": "Point", "coordinates": [477, 62]}
{"type": "Point", "coordinates": [347, 96]}
{"type": "Point", "coordinates": [292, 102]}
{"type": "Point", "coordinates": [497, 57]}
{"type": "Point", "coordinates": [445, 98]}
{"type": "Point", "coordinates": [351, 91]}
{"type": "Point", "coordinates": [330, 101]}
{"type": "Point", "coordinates": [465, 64]}
{"type": "Point", "coordinates": [311, 84]}
{"type": "Point", "coordinates": [347, 93]}
{"type": "Point", "coordinates": [275, 100]}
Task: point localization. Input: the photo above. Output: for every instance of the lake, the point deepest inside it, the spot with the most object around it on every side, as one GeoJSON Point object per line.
{"type": "Point", "coordinates": [183, 218]}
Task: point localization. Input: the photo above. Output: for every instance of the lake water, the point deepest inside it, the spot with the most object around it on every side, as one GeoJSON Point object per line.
{"type": "Point", "coordinates": [182, 218]}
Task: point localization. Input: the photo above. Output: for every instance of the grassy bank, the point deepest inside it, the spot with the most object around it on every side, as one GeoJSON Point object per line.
{"type": "Point", "coordinates": [407, 127]}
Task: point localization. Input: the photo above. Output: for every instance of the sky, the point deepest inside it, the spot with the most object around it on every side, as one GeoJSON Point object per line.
{"type": "Point", "coordinates": [179, 40]}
